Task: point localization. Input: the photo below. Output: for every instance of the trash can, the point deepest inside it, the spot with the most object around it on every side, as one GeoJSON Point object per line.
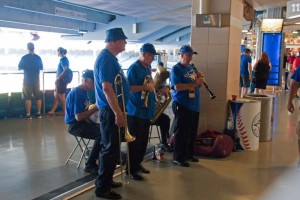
{"type": "Point", "coordinates": [265, 133]}
{"type": "Point", "coordinates": [246, 116]}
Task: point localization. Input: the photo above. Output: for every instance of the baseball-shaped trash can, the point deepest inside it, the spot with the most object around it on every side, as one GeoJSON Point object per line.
{"type": "Point", "coordinates": [265, 132]}
{"type": "Point", "coordinates": [246, 118]}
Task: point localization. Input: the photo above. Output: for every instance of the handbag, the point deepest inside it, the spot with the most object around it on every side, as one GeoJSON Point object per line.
{"type": "Point", "coordinates": [213, 144]}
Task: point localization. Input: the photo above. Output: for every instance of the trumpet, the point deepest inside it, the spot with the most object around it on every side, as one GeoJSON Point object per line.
{"type": "Point", "coordinates": [145, 94]}
{"type": "Point", "coordinates": [211, 94]}
{"type": "Point", "coordinates": [128, 137]}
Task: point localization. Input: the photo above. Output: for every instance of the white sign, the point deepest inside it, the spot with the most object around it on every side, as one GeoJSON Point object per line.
{"type": "Point", "coordinates": [293, 9]}
{"type": "Point", "coordinates": [70, 13]}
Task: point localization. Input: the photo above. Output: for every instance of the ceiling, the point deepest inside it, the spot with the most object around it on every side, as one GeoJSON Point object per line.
{"type": "Point", "coordinates": [157, 21]}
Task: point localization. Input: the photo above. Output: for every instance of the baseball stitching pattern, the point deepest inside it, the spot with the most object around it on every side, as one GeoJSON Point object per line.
{"type": "Point", "coordinates": [242, 130]}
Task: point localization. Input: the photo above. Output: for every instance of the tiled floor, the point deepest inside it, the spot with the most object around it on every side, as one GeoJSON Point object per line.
{"type": "Point", "coordinates": [33, 154]}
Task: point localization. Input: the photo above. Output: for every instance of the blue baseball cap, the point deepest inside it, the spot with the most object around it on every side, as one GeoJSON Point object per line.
{"type": "Point", "coordinates": [115, 34]}
{"type": "Point", "coordinates": [88, 73]}
{"type": "Point", "coordinates": [161, 64]}
{"type": "Point", "coordinates": [186, 49]}
{"type": "Point", "coordinates": [148, 48]}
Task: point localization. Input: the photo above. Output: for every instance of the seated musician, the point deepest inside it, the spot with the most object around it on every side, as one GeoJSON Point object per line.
{"type": "Point", "coordinates": [163, 121]}
{"type": "Point", "coordinates": [77, 117]}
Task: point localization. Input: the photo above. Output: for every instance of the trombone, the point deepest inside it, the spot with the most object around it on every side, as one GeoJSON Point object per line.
{"type": "Point", "coordinates": [128, 137]}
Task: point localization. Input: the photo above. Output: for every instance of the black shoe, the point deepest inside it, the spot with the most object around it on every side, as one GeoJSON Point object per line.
{"type": "Point", "coordinates": [166, 148]}
{"type": "Point", "coordinates": [142, 169]}
{"type": "Point", "coordinates": [116, 184]}
{"type": "Point", "coordinates": [136, 176]}
{"type": "Point", "coordinates": [109, 194]}
{"type": "Point", "coordinates": [91, 170]}
{"type": "Point", "coordinates": [193, 159]}
{"type": "Point", "coordinates": [181, 163]}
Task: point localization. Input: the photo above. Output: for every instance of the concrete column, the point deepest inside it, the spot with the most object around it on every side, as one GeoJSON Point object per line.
{"type": "Point", "coordinates": [219, 60]}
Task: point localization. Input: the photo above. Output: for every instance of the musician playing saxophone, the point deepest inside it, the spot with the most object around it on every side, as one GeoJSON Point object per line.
{"type": "Point", "coordinates": [140, 108]}
{"type": "Point", "coordinates": [186, 106]}
{"type": "Point", "coordinates": [76, 115]}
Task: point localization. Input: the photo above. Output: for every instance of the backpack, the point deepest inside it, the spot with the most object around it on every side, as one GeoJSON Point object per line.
{"type": "Point", "coordinates": [68, 76]}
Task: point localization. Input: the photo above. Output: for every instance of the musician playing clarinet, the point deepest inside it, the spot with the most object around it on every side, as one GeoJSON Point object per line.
{"type": "Point", "coordinates": [140, 108]}
{"type": "Point", "coordinates": [76, 117]}
{"type": "Point", "coordinates": [186, 106]}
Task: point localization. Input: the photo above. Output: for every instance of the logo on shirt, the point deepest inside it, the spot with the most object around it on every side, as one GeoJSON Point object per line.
{"type": "Point", "coordinates": [191, 75]}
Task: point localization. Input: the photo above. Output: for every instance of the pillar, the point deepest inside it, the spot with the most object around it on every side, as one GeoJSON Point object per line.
{"type": "Point", "coordinates": [218, 58]}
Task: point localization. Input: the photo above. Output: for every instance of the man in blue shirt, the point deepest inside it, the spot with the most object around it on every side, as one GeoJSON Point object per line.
{"type": "Point", "coordinates": [186, 107]}
{"type": "Point", "coordinates": [245, 72]}
{"type": "Point", "coordinates": [294, 85]}
{"type": "Point", "coordinates": [112, 116]}
{"type": "Point", "coordinates": [77, 116]}
{"type": "Point", "coordinates": [31, 64]}
{"type": "Point", "coordinates": [140, 108]}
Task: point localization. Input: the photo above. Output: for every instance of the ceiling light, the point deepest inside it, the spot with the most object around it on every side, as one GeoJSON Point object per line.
{"type": "Point", "coordinates": [295, 31]}
{"type": "Point", "coordinates": [82, 31]}
{"type": "Point", "coordinates": [297, 23]}
{"type": "Point", "coordinates": [244, 31]}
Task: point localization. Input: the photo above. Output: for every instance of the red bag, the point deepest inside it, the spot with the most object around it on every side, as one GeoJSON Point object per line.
{"type": "Point", "coordinates": [211, 143]}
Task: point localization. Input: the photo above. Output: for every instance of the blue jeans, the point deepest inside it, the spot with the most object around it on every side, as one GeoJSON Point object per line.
{"type": "Point", "coordinates": [110, 149]}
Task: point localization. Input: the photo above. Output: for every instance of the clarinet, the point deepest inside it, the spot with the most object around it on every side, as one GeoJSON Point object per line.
{"type": "Point", "coordinates": [211, 94]}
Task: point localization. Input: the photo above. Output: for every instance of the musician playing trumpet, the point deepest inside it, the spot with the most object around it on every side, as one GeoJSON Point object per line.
{"type": "Point", "coordinates": [140, 108]}
{"type": "Point", "coordinates": [76, 117]}
{"type": "Point", "coordinates": [186, 106]}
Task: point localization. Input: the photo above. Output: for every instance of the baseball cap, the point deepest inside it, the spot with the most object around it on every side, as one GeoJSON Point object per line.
{"type": "Point", "coordinates": [88, 73]}
{"type": "Point", "coordinates": [30, 46]}
{"type": "Point", "coordinates": [149, 48]}
{"type": "Point", "coordinates": [161, 64]}
{"type": "Point", "coordinates": [115, 34]}
{"type": "Point", "coordinates": [186, 49]}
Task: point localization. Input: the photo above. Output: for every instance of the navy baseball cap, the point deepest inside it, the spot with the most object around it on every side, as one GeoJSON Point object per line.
{"type": "Point", "coordinates": [88, 74]}
{"type": "Point", "coordinates": [186, 49]}
{"type": "Point", "coordinates": [161, 64]}
{"type": "Point", "coordinates": [149, 48]}
{"type": "Point", "coordinates": [115, 34]}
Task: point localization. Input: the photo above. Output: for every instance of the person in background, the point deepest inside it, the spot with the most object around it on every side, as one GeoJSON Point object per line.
{"type": "Point", "coordinates": [77, 115]}
{"type": "Point", "coordinates": [60, 84]}
{"type": "Point", "coordinates": [290, 59]}
{"type": "Point", "coordinates": [286, 72]}
{"type": "Point", "coordinates": [139, 115]}
{"type": "Point", "coordinates": [262, 68]}
{"type": "Point", "coordinates": [185, 84]}
{"type": "Point", "coordinates": [31, 64]}
{"type": "Point", "coordinates": [245, 72]}
{"type": "Point", "coordinates": [112, 116]}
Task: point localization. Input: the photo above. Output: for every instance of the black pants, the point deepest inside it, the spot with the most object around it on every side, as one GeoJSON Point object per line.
{"type": "Point", "coordinates": [110, 150]}
{"type": "Point", "coordinates": [164, 124]}
{"type": "Point", "coordinates": [185, 131]}
{"type": "Point", "coordinates": [137, 149]}
{"type": "Point", "coordinates": [89, 131]}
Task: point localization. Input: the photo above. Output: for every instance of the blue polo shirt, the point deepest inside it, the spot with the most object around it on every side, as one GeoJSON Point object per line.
{"type": "Point", "coordinates": [31, 64]}
{"type": "Point", "coordinates": [182, 75]}
{"type": "Point", "coordinates": [136, 75]}
{"type": "Point", "coordinates": [245, 59]}
{"type": "Point", "coordinates": [63, 62]}
{"type": "Point", "coordinates": [105, 70]}
{"type": "Point", "coordinates": [76, 102]}
{"type": "Point", "coordinates": [296, 75]}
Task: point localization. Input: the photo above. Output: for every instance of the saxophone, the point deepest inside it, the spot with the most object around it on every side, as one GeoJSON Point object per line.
{"type": "Point", "coordinates": [162, 101]}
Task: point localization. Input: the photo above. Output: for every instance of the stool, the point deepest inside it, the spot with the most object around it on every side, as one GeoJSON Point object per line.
{"type": "Point", "coordinates": [83, 146]}
{"type": "Point", "coordinates": [158, 133]}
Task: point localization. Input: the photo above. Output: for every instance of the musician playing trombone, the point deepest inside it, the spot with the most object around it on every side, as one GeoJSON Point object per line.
{"type": "Point", "coordinates": [140, 108]}
{"type": "Point", "coordinates": [112, 116]}
{"type": "Point", "coordinates": [186, 106]}
{"type": "Point", "coordinates": [76, 117]}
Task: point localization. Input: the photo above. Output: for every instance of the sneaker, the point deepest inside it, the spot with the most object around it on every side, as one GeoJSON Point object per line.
{"type": "Point", "coordinates": [91, 169]}
{"type": "Point", "coordinates": [109, 194]}
{"type": "Point", "coordinates": [28, 117]}
{"type": "Point", "coordinates": [39, 116]}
